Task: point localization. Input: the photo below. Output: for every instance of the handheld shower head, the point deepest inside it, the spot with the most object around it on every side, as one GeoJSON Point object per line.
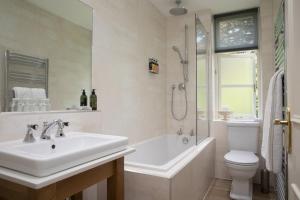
{"type": "Point", "coordinates": [176, 49]}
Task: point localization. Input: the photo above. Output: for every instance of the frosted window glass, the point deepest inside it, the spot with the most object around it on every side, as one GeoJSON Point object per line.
{"type": "Point", "coordinates": [237, 70]}
{"type": "Point", "coordinates": [237, 83]}
{"type": "Point", "coordinates": [239, 100]}
{"type": "Point", "coordinates": [236, 31]}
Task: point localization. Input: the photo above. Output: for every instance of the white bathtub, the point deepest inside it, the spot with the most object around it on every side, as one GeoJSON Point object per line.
{"type": "Point", "coordinates": [165, 164]}
{"type": "Point", "coordinates": [160, 153]}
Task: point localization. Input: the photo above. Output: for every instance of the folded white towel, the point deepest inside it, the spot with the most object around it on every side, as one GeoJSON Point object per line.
{"type": "Point", "coordinates": [17, 92]}
{"type": "Point", "coordinates": [22, 92]}
{"type": "Point", "coordinates": [30, 99]}
{"type": "Point", "coordinates": [29, 93]}
{"type": "Point", "coordinates": [38, 93]}
{"type": "Point", "coordinates": [272, 142]}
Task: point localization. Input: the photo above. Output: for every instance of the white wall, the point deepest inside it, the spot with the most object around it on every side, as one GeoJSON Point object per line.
{"type": "Point", "coordinates": [126, 34]}
{"type": "Point", "coordinates": [293, 49]}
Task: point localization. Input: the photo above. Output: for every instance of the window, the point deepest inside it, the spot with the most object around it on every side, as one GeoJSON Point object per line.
{"type": "Point", "coordinates": [236, 31]}
{"type": "Point", "coordinates": [236, 44]}
{"type": "Point", "coordinates": [237, 83]}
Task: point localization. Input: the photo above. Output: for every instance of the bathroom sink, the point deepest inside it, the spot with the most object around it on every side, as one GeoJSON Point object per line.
{"type": "Point", "coordinates": [46, 157]}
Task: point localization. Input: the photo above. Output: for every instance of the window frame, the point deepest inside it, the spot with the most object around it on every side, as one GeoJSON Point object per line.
{"type": "Point", "coordinates": [218, 16]}
{"type": "Point", "coordinates": [256, 85]}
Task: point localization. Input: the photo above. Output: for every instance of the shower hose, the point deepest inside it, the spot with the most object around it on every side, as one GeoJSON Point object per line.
{"type": "Point", "coordinates": [172, 105]}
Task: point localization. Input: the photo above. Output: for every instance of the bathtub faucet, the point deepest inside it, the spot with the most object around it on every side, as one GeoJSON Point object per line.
{"type": "Point", "coordinates": [192, 133]}
{"type": "Point", "coordinates": [180, 132]}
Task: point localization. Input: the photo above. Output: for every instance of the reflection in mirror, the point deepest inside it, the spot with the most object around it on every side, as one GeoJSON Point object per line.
{"type": "Point", "coordinates": [202, 81]}
{"type": "Point", "coordinates": [45, 54]}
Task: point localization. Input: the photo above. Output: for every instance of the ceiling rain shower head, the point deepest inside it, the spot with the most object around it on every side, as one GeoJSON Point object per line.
{"type": "Point", "coordinates": [178, 10]}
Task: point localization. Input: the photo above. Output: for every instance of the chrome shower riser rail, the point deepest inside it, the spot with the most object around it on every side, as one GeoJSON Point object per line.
{"type": "Point", "coordinates": [182, 86]}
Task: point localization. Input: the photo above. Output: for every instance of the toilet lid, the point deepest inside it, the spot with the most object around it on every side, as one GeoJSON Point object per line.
{"type": "Point", "coordinates": [241, 158]}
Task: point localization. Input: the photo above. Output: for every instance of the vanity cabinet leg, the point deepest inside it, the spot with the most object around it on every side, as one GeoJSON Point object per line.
{"type": "Point", "coordinates": [77, 196]}
{"type": "Point", "coordinates": [46, 193]}
{"type": "Point", "coordinates": [115, 183]}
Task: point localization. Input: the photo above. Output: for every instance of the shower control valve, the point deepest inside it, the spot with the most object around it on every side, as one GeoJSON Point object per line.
{"type": "Point", "coordinates": [181, 86]}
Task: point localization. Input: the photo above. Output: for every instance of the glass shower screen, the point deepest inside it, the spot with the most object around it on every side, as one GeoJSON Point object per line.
{"type": "Point", "coordinates": [202, 55]}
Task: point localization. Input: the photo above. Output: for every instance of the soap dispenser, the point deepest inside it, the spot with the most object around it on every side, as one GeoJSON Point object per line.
{"type": "Point", "coordinates": [93, 100]}
{"type": "Point", "coordinates": [83, 98]}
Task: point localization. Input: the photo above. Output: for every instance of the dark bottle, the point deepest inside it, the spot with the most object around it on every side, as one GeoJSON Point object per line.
{"type": "Point", "coordinates": [93, 100]}
{"type": "Point", "coordinates": [83, 98]}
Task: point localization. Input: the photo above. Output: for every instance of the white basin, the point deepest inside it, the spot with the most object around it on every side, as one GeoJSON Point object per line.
{"type": "Point", "coordinates": [40, 159]}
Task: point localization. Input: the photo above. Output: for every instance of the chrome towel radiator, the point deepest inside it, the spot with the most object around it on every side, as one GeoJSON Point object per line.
{"type": "Point", "coordinates": [23, 71]}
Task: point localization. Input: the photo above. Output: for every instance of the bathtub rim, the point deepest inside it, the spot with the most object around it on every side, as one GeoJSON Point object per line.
{"type": "Point", "coordinates": [194, 151]}
{"type": "Point", "coordinates": [164, 167]}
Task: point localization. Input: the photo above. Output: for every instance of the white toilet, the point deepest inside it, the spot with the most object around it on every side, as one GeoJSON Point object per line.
{"type": "Point", "coordinates": [241, 160]}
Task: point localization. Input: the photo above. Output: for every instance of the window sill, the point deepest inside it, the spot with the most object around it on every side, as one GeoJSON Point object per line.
{"type": "Point", "coordinates": [238, 120]}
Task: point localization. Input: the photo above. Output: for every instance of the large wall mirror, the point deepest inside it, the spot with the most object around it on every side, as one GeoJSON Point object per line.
{"type": "Point", "coordinates": [45, 54]}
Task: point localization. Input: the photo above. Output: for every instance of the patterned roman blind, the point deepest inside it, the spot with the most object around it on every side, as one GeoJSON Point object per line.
{"type": "Point", "coordinates": [236, 31]}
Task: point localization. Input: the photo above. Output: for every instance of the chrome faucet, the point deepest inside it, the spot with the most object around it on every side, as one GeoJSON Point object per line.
{"type": "Point", "coordinates": [46, 134]}
{"type": "Point", "coordinates": [180, 132]}
{"type": "Point", "coordinates": [29, 138]}
{"type": "Point", "coordinates": [192, 133]}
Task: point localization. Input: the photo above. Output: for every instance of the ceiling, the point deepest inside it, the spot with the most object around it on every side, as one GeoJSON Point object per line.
{"type": "Point", "coordinates": [216, 6]}
{"type": "Point", "coordinates": [74, 11]}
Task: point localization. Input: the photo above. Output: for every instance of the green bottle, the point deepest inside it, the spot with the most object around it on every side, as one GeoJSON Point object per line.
{"type": "Point", "coordinates": [83, 98]}
{"type": "Point", "coordinates": [93, 100]}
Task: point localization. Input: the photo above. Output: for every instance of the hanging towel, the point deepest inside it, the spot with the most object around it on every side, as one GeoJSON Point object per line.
{"type": "Point", "coordinates": [272, 141]}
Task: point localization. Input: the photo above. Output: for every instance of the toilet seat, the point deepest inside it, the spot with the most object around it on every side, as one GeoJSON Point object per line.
{"type": "Point", "coordinates": [241, 158]}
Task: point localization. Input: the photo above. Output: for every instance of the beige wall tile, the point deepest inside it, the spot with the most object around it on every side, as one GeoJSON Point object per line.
{"type": "Point", "coordinates": [13, 126]}
{"type": "Point", "coordinates": [126, 34]}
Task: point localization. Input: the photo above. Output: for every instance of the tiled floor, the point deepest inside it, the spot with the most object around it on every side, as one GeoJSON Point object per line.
{"type": "Point", "coordinates": [221, 190]}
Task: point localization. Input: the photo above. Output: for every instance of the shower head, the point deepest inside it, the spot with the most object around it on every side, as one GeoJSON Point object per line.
{"type": "Point", "coordinates": [176, 49]}
{"type": "Point", "coordinates": [178, 10]}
